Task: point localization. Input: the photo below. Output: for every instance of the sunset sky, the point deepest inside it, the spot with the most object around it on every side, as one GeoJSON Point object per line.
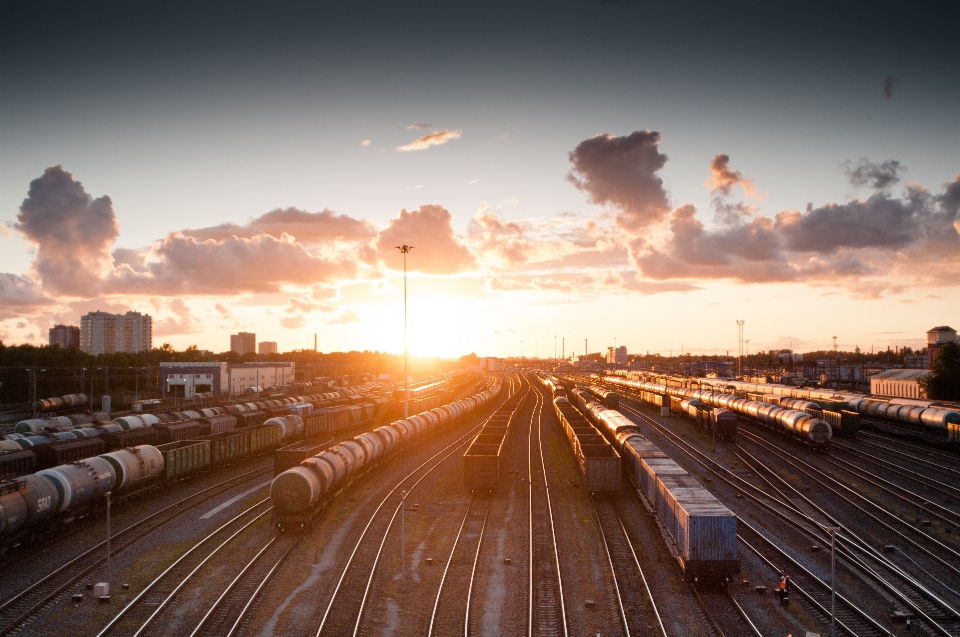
{"type": "Point", "coordinates": [645, 172]}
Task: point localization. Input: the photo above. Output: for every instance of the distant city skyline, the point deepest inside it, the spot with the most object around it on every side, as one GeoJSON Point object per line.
{"type": "Point", "coordinates": [611, 171]}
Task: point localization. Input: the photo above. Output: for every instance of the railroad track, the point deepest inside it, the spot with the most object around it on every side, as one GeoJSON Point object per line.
{"type": "Point", "coordinates": [20, 609]}
{"type": "Point", "coordinates": [344, 612]}
{"type": "Point", "coordinates": [809, 586]}
{"type": "Point", "coordinates": [931, 609]}
{"type": "Point", "coordinates": [628, 590]}
{"type": "Point", "coordinates": [546, 611]}
{"type": "Point", "coordinates": [228, 615]}
{"type": "Point", "coordinates": [451, 608]}
{"type": "Point", "coordinates": [901, 448]}
{"type": "Point", "coordinates": [725, 614]}
{"type": "Point", "coordinates": [929, 482]}
{"type": "Point", "coordinates": [138, 617]}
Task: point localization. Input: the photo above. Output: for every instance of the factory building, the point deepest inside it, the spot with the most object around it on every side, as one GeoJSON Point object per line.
{"type": "Point", "coordinates": [105, 333]}
{"type": "Point", "coordinates": [243, 343]}
{"type": "Point", "coordinates": [617, 355]}
{"type": "Point", "coordinates": [186, 380]}
{"type": "Point", "coordinates": [267, 347]}
{"type": "Point", "coordinates": [936, 338]}
{"type": "Point", "coordinates": [488, 364]}
{"type": "Point", "coordinates": [898, 383]}
{"type": "Point", "coordinates": [65, 336]}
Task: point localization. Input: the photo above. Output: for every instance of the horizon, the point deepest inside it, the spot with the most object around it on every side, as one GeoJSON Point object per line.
{"type": "Point", "coordinates": [626, 174]}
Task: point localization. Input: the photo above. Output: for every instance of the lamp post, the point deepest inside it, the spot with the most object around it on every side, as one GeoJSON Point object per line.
{"type": "Point", "coordinates": [832, 530]}
{"type": "Point", "coordinates": [404, 250]}
{"type": "Point", "coordinates": [403, 541]}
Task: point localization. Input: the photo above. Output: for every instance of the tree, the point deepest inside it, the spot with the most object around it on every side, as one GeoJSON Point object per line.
{"type": "Point", "coordinates": [943, 381]}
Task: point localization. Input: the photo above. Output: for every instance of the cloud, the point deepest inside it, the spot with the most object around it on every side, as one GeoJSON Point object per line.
{"type": "Point", "coordinates": [20, 295]}
{"type": "Point", "coordinates": [437, 248]}
{"type": "Point", "coordinates": [883, 244]}
{"type": "Point", "coordinates": [293, 322]}
{"type": "Point", "coordinates": [622, 171]}
{"type": "Point", "coordinates": [418, 126]}
{"type": "Point", "coordinates": [72, 230]}
{"type": "Point", "coordinates": [880, 222]}
{"type": "Point", "coordinates": [182, 322]}
{"type": "Point", "coordinates": [306, 227]}
{"type": "Point", "coordinates": [346, 317]}
{"type": "Point", "coordinates": [435, 138]}
{"type": "Point", "coordinates": [366, 142]}
{"type": "Point", "coordinates": [723, 178]}
{"type": "Point", "coordinates": [877, 176]}
{"type": "Point", "coordinates": [183, 265]}
{"type": "Point", "coordinates": [889, 83]}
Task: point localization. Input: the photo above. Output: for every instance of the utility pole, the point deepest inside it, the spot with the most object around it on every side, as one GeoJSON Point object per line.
{"type": "Point", "coordinates": [585, 350]}
{"type": "Point", "coordinates": [405, 249]}
{"type": "Point", "coordinates": [554, 349]}
{"type": "Point", "coordinates": [740, 323]}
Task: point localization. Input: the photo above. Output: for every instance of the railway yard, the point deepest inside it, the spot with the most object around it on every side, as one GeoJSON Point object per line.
{"type": "Point", "coordinates": [518, 504]}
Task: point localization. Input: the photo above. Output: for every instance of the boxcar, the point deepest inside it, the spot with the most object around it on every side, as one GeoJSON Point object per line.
{"type": "Point", "coordinates": [723, 424]}
{"type": "Point", "coordinates": [250, 418]}
{"type": "Point", "coordinates": [184, 459]}
{"type": "Point", "coordinates": [67, 451]}
{"type": "Point", "coordinates": [217, 424]}
{"type": "Point", "coordinates": [17, 463]}
{"type": "Point", "coordinates": [174, 431]}
{"type": "Point", "coordinates": [845, 423]}
{"type": "Point", "coordinates": [130, 438]}
{"type": "Point", "coordinates": [481, 465]}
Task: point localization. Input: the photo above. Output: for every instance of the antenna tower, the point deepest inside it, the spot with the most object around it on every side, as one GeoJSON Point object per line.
{"type": "Point", "coordinates": [834, 344]}
{"type": "Point", "coordinates": [740, 323]}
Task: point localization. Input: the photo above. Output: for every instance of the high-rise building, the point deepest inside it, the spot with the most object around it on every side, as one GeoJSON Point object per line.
{"type": "Point", "coordinates": [243, 343]}
{"type": "Point", "coordinates": [105, 333]}
{"type": "Point", "coordinates": [267, 347]}
{"type": "Point", "coordinates": [65, 336]}
{"type": "Point", "coordinates": [937, 337]}
{"type": "Point", "coordinates": [617, 355]}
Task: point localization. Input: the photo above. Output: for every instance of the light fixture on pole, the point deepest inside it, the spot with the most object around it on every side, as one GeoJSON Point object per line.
{"type": "Point", "coordinates": [403, 541]}
{"type": "Point", "coordinates": [404, 249]}
{"type": "Point", "coordinates": [832, 530]}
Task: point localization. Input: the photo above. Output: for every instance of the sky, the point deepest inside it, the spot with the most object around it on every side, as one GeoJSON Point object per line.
{"type": "Point", "coordinates": [578, 173]}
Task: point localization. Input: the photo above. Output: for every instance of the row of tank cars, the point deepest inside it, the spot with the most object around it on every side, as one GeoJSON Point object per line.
{"type": "Point", "coordinates": [702, 530]}
{"type": "Point", "coordinates": [137, 454]}
{"type": "Point", "coordinates": [935, 422]}
{"type": "Point", "coordinates": [297, 494]}
{"type": "Point", "coordinates": [795, 423]}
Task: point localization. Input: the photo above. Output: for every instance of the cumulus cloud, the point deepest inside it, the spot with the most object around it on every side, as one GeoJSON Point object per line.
{"type": "Point", "coordinates": [73, 232]}
{"type": "Point", "coordinates": [182, 322]}
{"type": "Point", "coordinates": [435, 138]}
{"type": "Point", "coordinates": [876, 176]}
{"type": "Point", "coordinates": [880, 221]}
{"type": "Point", "coordinates": [889, 83]}
{"type": "Point", "coordinates": [20, 295]}
{"type": "Point", "coordinates": [723, 178]}
{"type": "Point", "coordinates": [622, 172]}
{"type": "Point", "coordinates": [306, 227]}
{"type": "Point", "coordinates": [184, 265]}
{"type": "Point", "coordinates": [429, 228]}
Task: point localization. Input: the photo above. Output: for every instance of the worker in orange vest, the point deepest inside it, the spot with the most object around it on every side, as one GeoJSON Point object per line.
{"type": "Point", "coordinates": [784, 589]}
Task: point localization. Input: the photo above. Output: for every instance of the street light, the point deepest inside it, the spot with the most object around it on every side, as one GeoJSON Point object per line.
{"type": "Point", "coordinates": [403, 541]}
{"type": "Point", "coordinates": [404, 249]}
{"type": "Point", "coordinates": [832, 530]}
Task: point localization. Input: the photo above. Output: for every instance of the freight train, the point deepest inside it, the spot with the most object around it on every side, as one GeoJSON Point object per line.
{"type": "Point", "coordinates": [703, 530]}
{"type": "Point", "coordinates": [933, 421]}
{"type": "Point", "coordinates": [44, 442]}
{"type": "Point", "coordinates": [796, 424]}
{"type": "Point", "coordinates": [38, 504]}
{"type": "Point", "coordinates": [298, 493]}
